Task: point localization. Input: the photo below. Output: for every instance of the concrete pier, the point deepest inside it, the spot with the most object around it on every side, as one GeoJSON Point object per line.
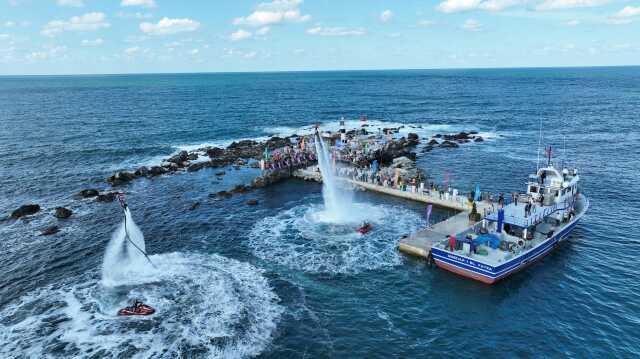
{"type": "Point", "coordinates": [418, 243]}
{"type": "Point", "coordinates": [458, 203]}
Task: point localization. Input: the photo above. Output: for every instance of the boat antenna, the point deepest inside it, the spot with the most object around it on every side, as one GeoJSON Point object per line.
{"type": "Point", "coordinates": [539, 144]}
{"type": "Point", "coordinates": [564, 149]}
{"type": "Point", "coordinates": [123, 204]}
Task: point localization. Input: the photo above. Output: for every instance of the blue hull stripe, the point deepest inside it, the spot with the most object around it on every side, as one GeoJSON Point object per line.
{"type": "Point", "coordinates": [506, 268]}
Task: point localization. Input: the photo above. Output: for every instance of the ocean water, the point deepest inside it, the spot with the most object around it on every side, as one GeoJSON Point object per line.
{"type": "Point", "coordinates": [238, 281]}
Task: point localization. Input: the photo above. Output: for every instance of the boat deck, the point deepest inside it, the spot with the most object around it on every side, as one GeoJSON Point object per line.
{"type": "Point", "coordinates": [419, 243]}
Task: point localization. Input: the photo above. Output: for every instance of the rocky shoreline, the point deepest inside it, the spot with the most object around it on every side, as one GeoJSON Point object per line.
{"type": "Point", "coordinates": [249, 153]}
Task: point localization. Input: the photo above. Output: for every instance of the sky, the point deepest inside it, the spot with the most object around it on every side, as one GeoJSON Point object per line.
{"type": "Point", "coordinates": [152, 36]}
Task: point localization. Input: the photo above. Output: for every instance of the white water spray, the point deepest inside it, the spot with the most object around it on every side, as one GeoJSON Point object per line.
{"type": "Point", "coordinates": [123, 262]}
{"type": "Point", "coordinates": [337, 202]}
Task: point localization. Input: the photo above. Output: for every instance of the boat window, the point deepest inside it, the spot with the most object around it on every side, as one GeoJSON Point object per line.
{"type": "Point", "coordinates": [533, 189]}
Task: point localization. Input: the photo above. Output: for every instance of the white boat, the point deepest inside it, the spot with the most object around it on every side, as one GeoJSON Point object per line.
{"type": "Point", "coordinates": [516, 234]}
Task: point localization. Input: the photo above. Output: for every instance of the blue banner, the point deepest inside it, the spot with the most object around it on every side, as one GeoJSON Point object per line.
{"type": "Point", "coordinates": [429, 208]}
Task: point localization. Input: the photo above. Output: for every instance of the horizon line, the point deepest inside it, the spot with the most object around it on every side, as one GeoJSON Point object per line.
{"type": "Point", "coordinates": [322, 70]}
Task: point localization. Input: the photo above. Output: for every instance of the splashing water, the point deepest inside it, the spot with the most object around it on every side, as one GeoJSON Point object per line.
{"type": "Point", "coordinates": [122, 260]}
{"type": "Point", "coordinates": [299, 239]}
{"type": "Point", "coordinates": [208, 306]}
{"type": "Point", "coordinates": [338, 204]}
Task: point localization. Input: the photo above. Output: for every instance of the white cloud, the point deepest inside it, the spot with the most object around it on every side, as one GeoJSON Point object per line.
{"type": "Point", "coordinates": [130, 51]}
{"type": "Point", "coordinates": [628, 11]}
{"type": "Point", "coordinates": [143, 3]}
{"type": "Point", "coordinates": [275, 12]}
{"type": "Point", "coordinates": [471, 25]}
{"type": "Point", "coordinates": [71, 3]}
{"type": "Point", "coordinates": [88, 22]}
{"type": "Point", "coordinates": [568, 4]}
{"type": "Point", "coordinates": [135, 39]}
{"type": "Point", "coordinates": [194, 52]}
{"type": "Point", "coordinates": [263, 31]}
{"type": "Point", "coordinates": [335, 31]}
{"type": "Point", "coordinates": [168, 26]}
{"type": "Point", "coordinates": [48, 53]}
{"type": "Point", "coordinates": [9, 24]}
{"type": "Point", "coordinates": [250, 55]}
{"type": "Point", "coordinates": [386, 15]}
{"type": "Point", "coordinates": [240, 35]}
{"type": "Point", "coordinates": [136, 15]}
{"type": "Point", "coordinates": [573, 22]}
{"type": "Point", "coordinates": [91, 43]}
{"type": "Point", "coordinates": [425, 23]}
{"type": "Point", "coordinates": [451, 6]}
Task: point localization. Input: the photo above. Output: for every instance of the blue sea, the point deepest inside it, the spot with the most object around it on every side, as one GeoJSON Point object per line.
{"type": "Point", "coordinates": [261, 281]}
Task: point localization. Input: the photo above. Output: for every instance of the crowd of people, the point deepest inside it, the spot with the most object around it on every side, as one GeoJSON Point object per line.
{"type": "Point", "coordinates": [288, 157]}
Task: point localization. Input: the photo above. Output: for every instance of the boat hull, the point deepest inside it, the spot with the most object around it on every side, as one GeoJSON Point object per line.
{"type": "Point", "coordinates": [467, 267]}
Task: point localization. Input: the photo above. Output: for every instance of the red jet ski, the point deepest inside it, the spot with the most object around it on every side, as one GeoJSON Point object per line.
{"type": "Point", "coordinates": [137, 309]}
{"type": "Point", "coordinates": [365, 228]}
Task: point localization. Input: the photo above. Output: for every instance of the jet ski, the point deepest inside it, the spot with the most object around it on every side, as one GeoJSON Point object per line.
{"type": "Point", "coordinates": [136, 309]}
{"type": "Point", "coordinates": [365, 228]}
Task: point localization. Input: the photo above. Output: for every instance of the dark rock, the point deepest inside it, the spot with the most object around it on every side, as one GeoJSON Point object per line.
{"type": "Point", "coordinates": [449, 144]}
{"type": "Point", "coordinates": [224, 194]}
{"type": "Point", "coordinates": [194, 206]}
{"type": "Point", "coordinates": [142, 171]}
{"type": "Point", "coordinates": [412, 156]}
{"type": "Point", "coordinates": [413, 139]}
{"type": "Point", "coordinates": [215, 152]}
{"type": "Point", "coordinates": [25, 210]}
{"type": "Point", "coordinates": [221, 173]}
{"type": "Point", "coordinates": [198, 166]}
{"type": "Point", "coordinates": [277, 142]}
{"type": "Point", "coordinates": [86, 193]}
{"type": "Point", "coordinates": [427, 149]}
{"type": "Point", "coordinates": [236, 168]}
{"type": "Point", "coordinates": [437, 136]}
{"type": "Point", "coordinates": [473, 132]}
{"type": "Point", "coordinates": [62, 213]}
{"type": "Point", "coordinates": [157, 171]}
{"type": "Point", "coordinates": [121, 178]}
{"type": "Point", "coordinates": [192, 156]}
{"type": "Point", "coordinates": [254, 164]}
{"type": "Point", "coordinates": [479, 139]}
{"type": "Point", "coordinates": [252, 202]}
{"type": "Point", "coordinates": [433, 142]}
{"type": "Point", "coordinates": [179, 158]}
{"type": "Point", "coordinates": [106, 197]}
{"type": "Point", "coordinates": [50, 230]}
{"type": "Point", "coordinates": [240, 189]}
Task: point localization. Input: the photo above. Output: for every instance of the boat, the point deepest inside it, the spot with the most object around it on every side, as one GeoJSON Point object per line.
{"type": "Point", "coordinates": [141, 309]}
{"type": "Point", "coordinates": [365, 228]}
{"type": "Point", "coordinates": [517, 234]}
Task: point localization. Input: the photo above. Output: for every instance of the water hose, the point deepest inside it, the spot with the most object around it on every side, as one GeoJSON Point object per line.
{"type": "Point", "coordinates": [123, 204]}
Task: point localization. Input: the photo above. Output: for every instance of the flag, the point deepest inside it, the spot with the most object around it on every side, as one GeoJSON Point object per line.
{"type": "Point", "coordinates": [476, 196]}
{"type": "Point", "coordinates": [266, 153]}
{"type": "Point", "coordinates": [429, 208]}
{"type": "Point", "coordinates": [374, 167]}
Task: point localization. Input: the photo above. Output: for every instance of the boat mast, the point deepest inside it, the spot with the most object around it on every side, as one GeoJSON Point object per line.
{"type": "Point", "coordinates": [539, 144]}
